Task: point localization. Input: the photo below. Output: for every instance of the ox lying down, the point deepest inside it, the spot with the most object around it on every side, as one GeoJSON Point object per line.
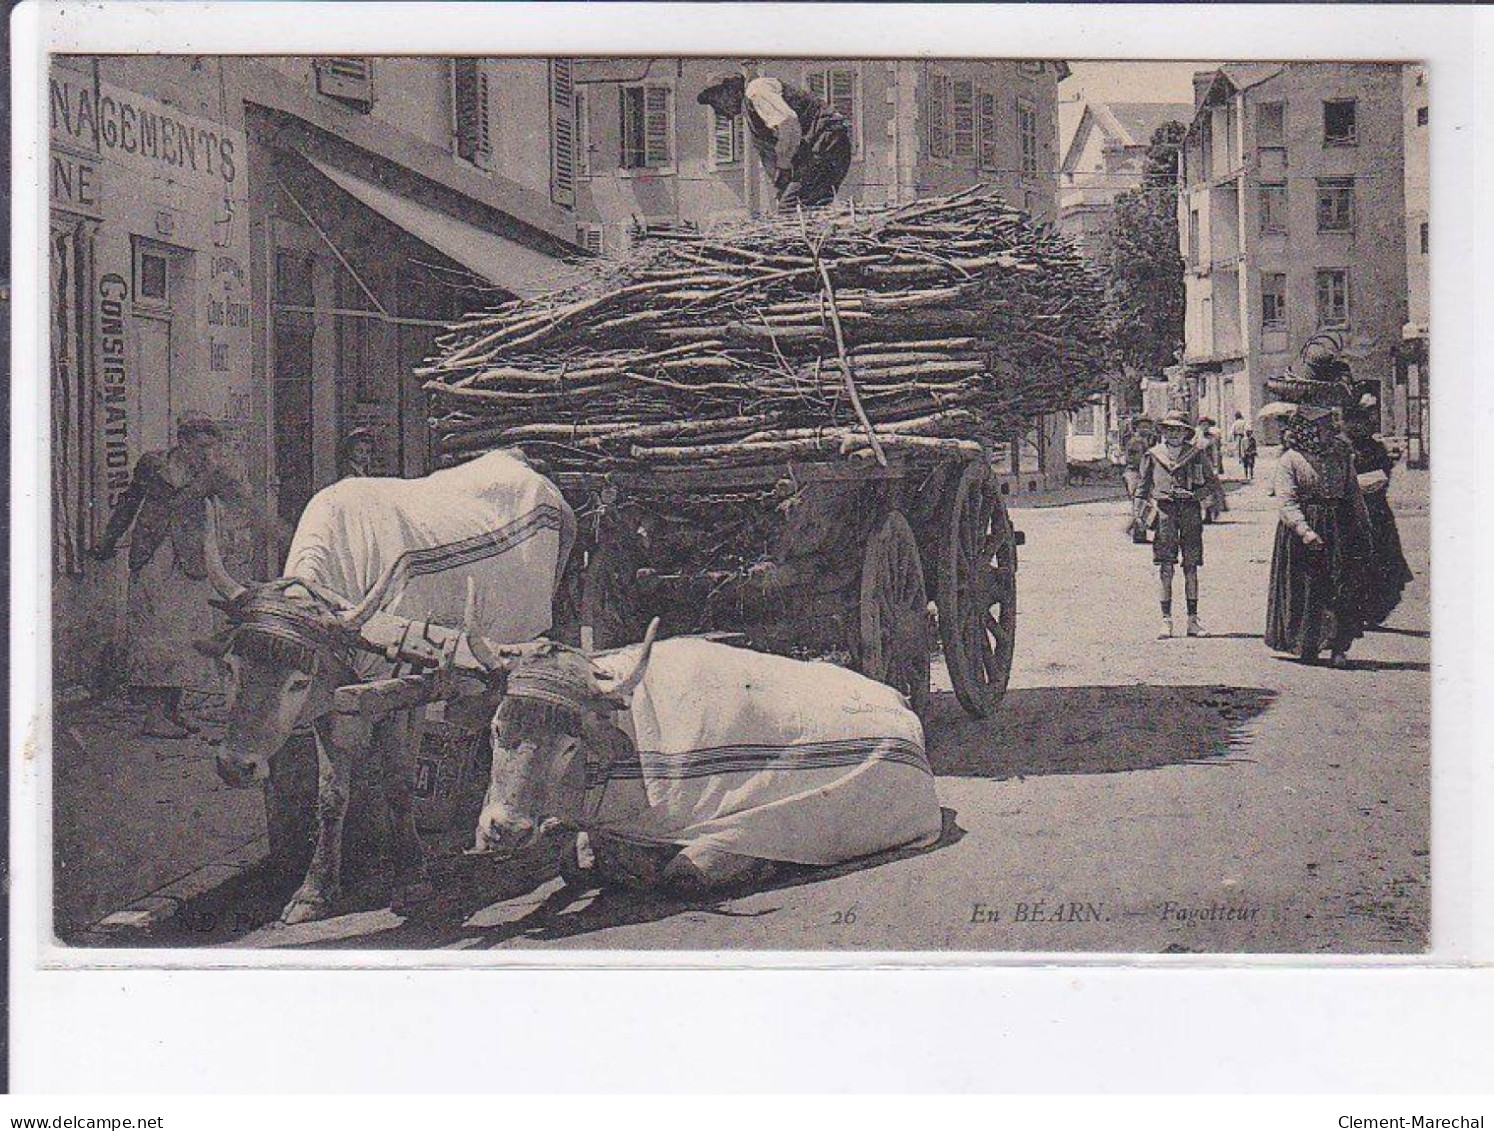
{"type": "Point", "coordinates": [416, 548]}
{"type": "Point", "coordinates": [695, 766]}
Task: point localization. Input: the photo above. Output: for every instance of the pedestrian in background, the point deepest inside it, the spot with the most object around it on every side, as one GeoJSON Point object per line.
{"type": "Point", "coordinates": [1323, 542]}
{"type": "Point", "coordinates": [1388, 572]}
{"type": "Point", "coordinates": [355, 454]}
{"type": "Point", "coordinates": [1237, 431]}
{"type": "Point", "coordinates": [165, 506]}
{"type": "Point", "coordinates": [1248, 450]}
{"type": "Point", "coordinates": [1178, 475]}
{"type": "Point", "coordinates": [1143, 436]}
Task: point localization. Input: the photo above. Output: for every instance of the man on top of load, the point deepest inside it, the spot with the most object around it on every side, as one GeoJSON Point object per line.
{"type": "Point", "coordinates": [804, 145]}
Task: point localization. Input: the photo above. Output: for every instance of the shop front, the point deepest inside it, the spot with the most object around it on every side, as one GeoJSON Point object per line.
{"type": "Point", "coordinates": [150, 322]}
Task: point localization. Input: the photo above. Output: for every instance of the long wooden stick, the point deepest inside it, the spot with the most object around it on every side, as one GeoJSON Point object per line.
{"type": "Point", "coordinates": [845, 363]}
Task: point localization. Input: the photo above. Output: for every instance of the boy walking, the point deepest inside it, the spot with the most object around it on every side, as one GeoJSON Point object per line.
{"type": "Point", "coordinates": [1177, 475]}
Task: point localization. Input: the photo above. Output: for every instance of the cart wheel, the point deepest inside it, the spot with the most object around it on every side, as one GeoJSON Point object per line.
{"type": "Point", "coordinates": [895, 637]}
{"type": "Point", "coordinates": [977, 592]}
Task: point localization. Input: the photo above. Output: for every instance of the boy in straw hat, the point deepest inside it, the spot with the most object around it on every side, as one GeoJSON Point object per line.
{"type": "Point", "coordinates": [1176, 476]}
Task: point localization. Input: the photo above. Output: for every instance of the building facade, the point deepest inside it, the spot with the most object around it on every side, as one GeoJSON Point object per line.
{"type": "Point", "coordinates": [273, 243]}
{"type": "Point", "coordinates": [648, 154]}
{"type": "Point", "coordinates": [1104, 157]}
{"type": "Point", "coordinates": [1412, 421]}
{"type": "Point", "coordinates": [1292, 220]}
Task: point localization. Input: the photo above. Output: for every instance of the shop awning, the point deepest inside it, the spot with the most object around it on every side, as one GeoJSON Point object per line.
{"type": "Point", "coordinates": [520, 270]}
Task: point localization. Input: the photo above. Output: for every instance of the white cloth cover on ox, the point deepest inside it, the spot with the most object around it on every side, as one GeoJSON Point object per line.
{"type": "Point", "coordinates": [768, 757]}
{"type": "Point", "coordinates": [493, 519]}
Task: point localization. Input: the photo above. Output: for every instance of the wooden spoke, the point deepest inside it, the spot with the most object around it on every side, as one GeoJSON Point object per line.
{"type": "Point", "coordinates": [895, 638]}
{"type": "Point", "coordinates": [977, 592]}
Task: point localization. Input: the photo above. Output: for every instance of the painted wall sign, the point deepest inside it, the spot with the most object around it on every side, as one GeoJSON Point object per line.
{"type": "Point", "coordinates": [141, 131]}
{"type": "Point", "coordinates": [77, 183]}
{"type": "Point", "coordinates": [114, 386]}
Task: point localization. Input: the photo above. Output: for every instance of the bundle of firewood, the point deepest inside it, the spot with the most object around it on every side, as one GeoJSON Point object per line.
{"type": "Point", "coordinates": [935, 326]}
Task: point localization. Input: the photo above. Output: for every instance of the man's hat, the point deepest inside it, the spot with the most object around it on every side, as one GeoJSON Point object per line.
{"type": "Point", "coordinates": [1176, 419]}
{"type": "Point", "coordinates": [197, 424]}
{"type": "Point", "coordinates": [359, 433]}
{"type": "Point", "coordinates": [718, 82]}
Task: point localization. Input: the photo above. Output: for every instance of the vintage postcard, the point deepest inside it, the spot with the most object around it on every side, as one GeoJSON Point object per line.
{"type": "Point", "coordinates": [678, 503]}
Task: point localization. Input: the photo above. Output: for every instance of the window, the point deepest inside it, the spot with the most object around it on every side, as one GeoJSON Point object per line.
{"type": "Point", "coordinates": [1421, 115]}
{"type": "Point", "coordinates": [151, 280]}
{"type": "Point", "coordinates": [1030, 66]}
{"type": "Point", "coordinates": [1426, 238]}
{"type": "Point", "coordinates": [1193, 238]}
{"type": "Point", "coordinates": [1027, 130]}
{"type": "Point", "coordinates": [962, 93]}
{"type": "Point", "coordinates": [1340, 124]}
{"type": "Point", "coordinates": [987, 124]}
{"type": "Point", "coordinates": [938, 115]}
{"type": "Point", "coordinates": [1333, 298]}
{"type": "Point", "coordinates": [727, 138]}
{"type": "Point", "coordinates": [839, 89]}
{"type": "Point", "coordinates": [1084, 420]}
{"type": "Point", "coordinates": [347, 78]}
{"type": "Point", "coordinates": [1270, 125]}
{"type": "Point", "coordinates": [583, 133]}
{"type": "Point", "coordinates": [1206, 145]}
{"type": "Point", "coordinates": [1273, 208]}
{"type": "Point", "coordinates": [1336, 204]}
{"type": "Point", "coordinates": [647, 126]}
{"type": "Point", "coordinates": [470, 112]}
{"type": "Point", "coordinates": [1273, 301]}
{"type": "Point", "coordinates": [562, 134]}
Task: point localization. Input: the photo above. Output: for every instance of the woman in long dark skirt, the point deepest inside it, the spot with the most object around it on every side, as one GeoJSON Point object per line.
{"type": "Point", "coordinates": [1387, 572]}
{"type": "Point", "coordinates": [1323, 543]}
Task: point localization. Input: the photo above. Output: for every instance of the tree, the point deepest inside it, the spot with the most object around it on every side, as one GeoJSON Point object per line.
{"type": "Point", "coordinates": [1143, 269]}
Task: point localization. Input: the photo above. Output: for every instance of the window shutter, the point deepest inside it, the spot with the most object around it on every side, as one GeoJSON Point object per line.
{"type": "Point", "coordinates": [484, 121]}
{"type": "Point", "coordinates": [816, 80]}
{"type": "Point", "coordinates": [589, 236]}
{"type": "Point", "coordinates": [724, 134]}
{"type": "Point", "coordinates": [464, 107]}
{"type": "Point", "coordinates": [562, 133]}
{"type": "Point", "coordinates": [964, 118]}
{"type": "Point", "coordinates": [583, 133]}
{"type": "Point", "coordinates": [938, 114]}
{"type": "Point", "coordinates": [987, 130]}
{"type": "Point", "coordinates": [346, 77]}
{"type": "Point", "coordinates": [658, 125]}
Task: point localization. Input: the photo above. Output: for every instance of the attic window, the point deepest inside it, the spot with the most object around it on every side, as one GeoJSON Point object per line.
{"type": "Point", "coordinates": [347, 78]}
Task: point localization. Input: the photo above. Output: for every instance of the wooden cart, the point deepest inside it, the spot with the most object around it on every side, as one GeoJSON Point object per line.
{"type": "Point", "coordinates": [837, 556]}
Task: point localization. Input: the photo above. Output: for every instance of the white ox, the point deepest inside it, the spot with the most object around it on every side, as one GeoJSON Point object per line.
{"type": "Point", "coordinates": [695, 765]}
{"type": "Point", "coordinates": [416, 548]}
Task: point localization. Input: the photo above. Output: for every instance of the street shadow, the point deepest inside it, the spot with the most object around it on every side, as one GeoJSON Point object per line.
{"type": "Point", "coordinates": [1387, 665]}
{"type": "Point", "coordinates": [1388, 631]}
{"type": "Point", "coordinates": [469, 912]}
{"type": "Point", "coordinates": [1093, 730]}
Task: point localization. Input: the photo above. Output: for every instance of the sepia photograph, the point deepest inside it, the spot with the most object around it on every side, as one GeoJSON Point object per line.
{"type": "Point", "coordinates": [617, 505]}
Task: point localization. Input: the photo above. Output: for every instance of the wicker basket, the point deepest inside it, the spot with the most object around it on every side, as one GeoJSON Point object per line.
{"type": "Point", "coordinates": [1306, 390]}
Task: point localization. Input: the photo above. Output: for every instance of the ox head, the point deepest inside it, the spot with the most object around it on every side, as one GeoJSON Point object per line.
{"type": "Point", "coordinates": [287, 647]}
{"type": "Point", "coordinates": [557, 709]}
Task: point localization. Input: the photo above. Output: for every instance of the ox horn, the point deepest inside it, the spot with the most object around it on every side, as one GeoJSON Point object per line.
{"type": "Point", "coordinates": [478, 646]}
{"type": "Point", "coordinates": [361, 613]}
{"type": "Point", "coordinates": [628, 682]}
{"type": "Point", "coordinates": [212, 555]}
